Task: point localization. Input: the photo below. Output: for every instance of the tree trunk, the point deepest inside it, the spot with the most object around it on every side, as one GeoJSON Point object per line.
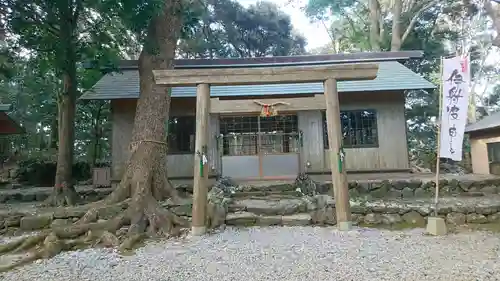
{"type": "Point", "coordinates": [64, 192]}
{"type": "Point", "coordinates": [374, 25]}
{"type": "Point", "coordinates": [493, 11]}
{"type": "Point", "coordinates": [396, 26]}
{"type": "Point", "coordinates": [145, 179]}
{"type": "Point", "coordinates": [148, 147]}
{"type": "Point", "coordinates": [54, 132]}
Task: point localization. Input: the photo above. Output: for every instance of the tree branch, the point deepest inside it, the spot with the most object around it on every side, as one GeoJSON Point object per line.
{"type": "Point", "coordinates": [93, 25]}
{"type": "Point", "coordinates": [32, 15]}
{"type": "Point", "coordinates": [494, 13]}
{"type": "Point", "coordinates": [415, 17]}
{"type": "Point", "coordinates": [408, 5]}
{"type": "Point", "coordinates": [78, 10]}
{"type": "Point", "coordinates": [374, 25]}
{"type": "Point", "coordinates": [351, 23]}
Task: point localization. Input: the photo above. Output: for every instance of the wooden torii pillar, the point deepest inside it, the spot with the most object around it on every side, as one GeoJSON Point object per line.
{"type": "Point", "coordinates": [204, 78]}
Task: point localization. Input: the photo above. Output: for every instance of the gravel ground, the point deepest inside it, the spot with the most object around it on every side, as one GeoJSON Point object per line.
{"type": "Point", "coordinates": [285, 253]}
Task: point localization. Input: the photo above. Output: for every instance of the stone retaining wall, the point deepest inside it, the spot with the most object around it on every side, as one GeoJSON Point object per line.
{"type": "Point", "coordinates": [320, 210]}
{"type": "Point", "coordinates": [418, 188]}
{"type": "Point", "coordinates": [369, 189]}
{"type": "Point", "coordinates": [378, 189]}
{"type": "Point", "coordinates": [317, 210]}
{"type": "Point", "coordinates": [38, 194]}
{"type": "Point", "coordinates": [456, 211]}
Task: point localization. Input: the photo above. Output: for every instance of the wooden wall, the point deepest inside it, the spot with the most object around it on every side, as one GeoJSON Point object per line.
{"type": "Point", "coordinates": [391, 154]}
{"type": "Point", "coordinates": [179, 165]}
{"type": "Point", "coordinates": [479, 150]}
{"type": "Point", "coordinates": [392, 151]}
{"type": "Point", "coordinates": [122, 118]}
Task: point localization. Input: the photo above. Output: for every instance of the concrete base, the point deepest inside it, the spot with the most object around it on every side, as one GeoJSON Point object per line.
{"type": "Point", "coordinates": [344, 225]}
{"type": "Point", "coordinates": [436, 226]}
{"type": "Point", "coordinates": [198, 230]}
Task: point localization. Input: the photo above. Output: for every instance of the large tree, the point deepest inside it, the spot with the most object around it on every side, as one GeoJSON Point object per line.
{"type": "Point", "coordinates": [158, 25]}
{"type": "Point", "coordinates": [63, 32]}
{"type": "Point", "coordinates": [227, 29]}
{"type": "Point", "coordinates": [492, 8]}
{"type": "Point", "coordinates": [404, 14]}
{"type": "Point", "coordinates": [351, 31]}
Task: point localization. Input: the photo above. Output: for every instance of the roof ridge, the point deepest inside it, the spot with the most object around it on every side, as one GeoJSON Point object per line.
{"type": "Point", "coordinates": [488, 122]}
{"type": "Point", "coordinates": [279, 60]}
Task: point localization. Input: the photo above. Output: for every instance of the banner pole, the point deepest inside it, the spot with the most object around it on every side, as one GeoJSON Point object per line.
{"type": "Point", "coordinates": [440, 97]}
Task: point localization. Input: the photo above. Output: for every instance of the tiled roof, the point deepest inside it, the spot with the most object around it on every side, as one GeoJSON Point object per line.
{"type": "Point", "coordinates": [5, 107]}
{"type": "Point", "coordinates": [392, 75]}
{"type": "Point", "coordinates": [489, 122]}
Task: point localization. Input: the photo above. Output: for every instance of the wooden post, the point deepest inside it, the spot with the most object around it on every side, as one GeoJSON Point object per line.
{"type": "Point", "coordinates": [438, 138]}
{"type": "Point", "coordinates": [339, 178]}
{"type": "Point", "coordinates": [200, 188]}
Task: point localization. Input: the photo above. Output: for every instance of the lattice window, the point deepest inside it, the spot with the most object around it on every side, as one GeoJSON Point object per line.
{"type": "Point", "coordinates": [279, 134]}
{"type": "Point", "coordinates": [279, 124]}
{"type": "Point", "coordinates": [359, 128]}
{"type": "Point", "coordinates": [239, 124]}
{"type": "Point", "coordinates": [240, 135]}
{"type": "Point", "coordinates": [181, 134]}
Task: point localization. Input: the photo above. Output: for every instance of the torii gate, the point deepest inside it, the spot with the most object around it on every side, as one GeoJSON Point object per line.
{"type": "Point", "coordinates": [329, 75]}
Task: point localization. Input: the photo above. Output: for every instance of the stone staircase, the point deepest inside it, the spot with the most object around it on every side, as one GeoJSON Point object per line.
{"type": "Point", "coordinates": [278, 204]}
{"type": "Point", "coordinates": [265, 212]}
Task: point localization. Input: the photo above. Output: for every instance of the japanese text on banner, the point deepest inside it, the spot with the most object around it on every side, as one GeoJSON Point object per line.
{"type": "Point", "coordinates": [455, 102]}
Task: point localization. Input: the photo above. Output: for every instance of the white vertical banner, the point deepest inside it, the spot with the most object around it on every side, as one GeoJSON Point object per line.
{"type": "Point", "coordinates": [455, 102]}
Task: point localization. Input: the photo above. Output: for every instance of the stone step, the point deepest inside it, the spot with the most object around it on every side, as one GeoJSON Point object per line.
{"type": "Point", "coordinates": [269, 197]}
{"type": "Point", "coordinates": [270, 207]}
{"type": "Point", "coordinates": [251, 219]}
{"type": "Point", "coordinates": [267, 194]}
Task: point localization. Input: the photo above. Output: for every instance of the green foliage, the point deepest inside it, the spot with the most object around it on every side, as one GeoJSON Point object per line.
{"type": "Point", "coordinates": [350, 29]}
{"type": "Point", "coordinates": [320, 8]}
{"type": "Point", "coordinates": [422, 106]}
{"type": "Point", "coordinates": [93, 131]}
{"type": "Point", "coordinates": [41, 172]}
{"type": "Point", "coordinates": [227, 29]}
{"type": "Point", "coordinates": [57, 37]}
{"type": "Point", "coordinates": [108, 31]}
{"type": "Point", "coordinates": [7, 61]}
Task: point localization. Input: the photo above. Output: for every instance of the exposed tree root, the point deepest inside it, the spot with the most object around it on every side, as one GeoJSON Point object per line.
{"type": "Point", "coordinates": [5, 248]}
{"type": "Point", "coordinates": [39, 246]}
{"type": "Point", "coordinates": [139, 214]}
{"type": "Point", "coordinates": [145, 181]}
{"type": "Point", "coordinates": [63, 195]}
{"type": "Point", "coordinates": [30, 257]}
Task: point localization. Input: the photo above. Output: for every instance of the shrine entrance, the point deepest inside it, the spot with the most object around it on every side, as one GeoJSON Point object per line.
{"type": "Point", "coordinates": [205, 105]}
{"type": "Point", "coordinates": [260, 147]}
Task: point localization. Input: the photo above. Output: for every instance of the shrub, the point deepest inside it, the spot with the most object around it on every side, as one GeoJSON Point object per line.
{"type": "Point", "coordinates": [38, 172]}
